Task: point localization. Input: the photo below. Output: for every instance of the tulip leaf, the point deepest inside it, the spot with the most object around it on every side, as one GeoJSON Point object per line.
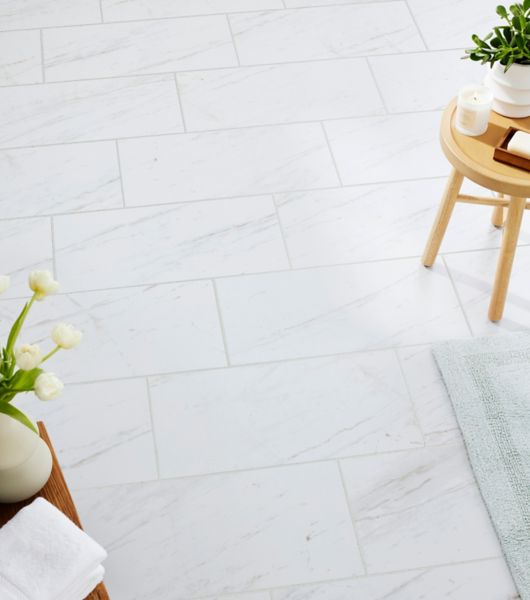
{"type": "Point", "coordinates": [11, 411]}
{"type": "Point", "coordinates": [23, 381]}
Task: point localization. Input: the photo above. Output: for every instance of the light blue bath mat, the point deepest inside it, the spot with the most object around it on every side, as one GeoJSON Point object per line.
{"type": "Point", "coordinates": [488, 380]}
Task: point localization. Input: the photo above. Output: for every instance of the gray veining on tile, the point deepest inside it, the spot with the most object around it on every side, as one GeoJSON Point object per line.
{"type": "Point", "coordinates": [31, 14]}
{"type": "Point", "coordinates": [387, 148]}
{"type": "Point", "coordinates": [122, 332]}
{"type": "Point", "coordinates": [223, 533]}
{"type": "Point", "coordinates": [168, 243]}
{"type": "Point", "coordinates": [20, 57]}
{"type": "Point", "coordinates": [70, 178]}
{"type": "Point", "coordinates": [88, 110]}
{"type": "Point", "coordinates": [487, 580]}
{"type": "Point", "coordinates": [418, 508]}
{"type": "Point", "coordinates": [324, 32]}
{"type": "Point", "coordinates": [101, 432]}
{"type": "Point", "coordinates": [430, 81]}
{"type": "Point", "coordinates": [124, 10]}
{"type": "Point", "coordinates": [225, 163]}
{"type": "Point", "coordinates": [282, 413]}
{"type": "Point", "coordinates": [428, 393]}
{"type": "Point", "coordinates": [339, 309]}
{"type": "Point", "coordinates": [25, 245]}
{"type": "Point", "coordinates": [158, 47]}
{"type": "Point", "coordinates": [277, 94]}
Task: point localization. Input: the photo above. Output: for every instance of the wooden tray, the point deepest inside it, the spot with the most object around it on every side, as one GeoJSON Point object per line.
{"type": "Point", "coordinates": [501, 153]}
{"type": "Point", "coordinates": [56, 492]}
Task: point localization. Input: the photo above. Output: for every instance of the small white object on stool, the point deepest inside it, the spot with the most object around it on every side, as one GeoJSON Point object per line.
{"type": "Point", "coordinates": [520, 144]}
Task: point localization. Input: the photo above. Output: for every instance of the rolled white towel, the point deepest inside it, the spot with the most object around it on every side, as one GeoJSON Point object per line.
{"type": "Point", "coordinates": [520, 144]}
{"type": "Point", "coordinates": [44, 555]}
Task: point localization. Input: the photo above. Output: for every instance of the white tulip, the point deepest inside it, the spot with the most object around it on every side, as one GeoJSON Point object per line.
{"type": "Point", "coordinates": [66, 336]}
{"type": "Point", "coordinates": [48, 386]}
{"type": "Point", "coordinates": [28, 356]}
{"type": "Point", "coordinates": [5, 282]}
{"type": "Point", "coordinates": [42, 283]}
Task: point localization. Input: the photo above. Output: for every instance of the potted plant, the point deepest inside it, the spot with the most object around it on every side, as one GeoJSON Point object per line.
{"type": "Point", "coordinates": [507, 50]}
{"type": "Point", "coordinates": [25, 459]}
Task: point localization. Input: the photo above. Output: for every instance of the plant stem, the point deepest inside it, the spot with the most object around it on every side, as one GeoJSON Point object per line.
{"type": "Point", "coordinates": [50, 354]}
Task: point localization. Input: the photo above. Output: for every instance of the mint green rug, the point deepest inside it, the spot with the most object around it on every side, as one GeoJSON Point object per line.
{"type": "Point", "coordinates": [488, 380]}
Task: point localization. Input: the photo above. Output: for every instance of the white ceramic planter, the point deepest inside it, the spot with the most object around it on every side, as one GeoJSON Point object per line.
{"type": "Point", "coordinates": [25, 461]}
{"type": "Point", "coordinates": [511, 90]}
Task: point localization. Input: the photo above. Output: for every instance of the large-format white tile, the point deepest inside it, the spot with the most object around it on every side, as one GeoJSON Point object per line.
{"type": "Point", "coordinates": [25, 245]}
{"type": "Point", "coordinates": [32, 14]}
{"type": "Point", "coordinates": [251, 596]}
{"type": "Point", "coordinates": [226, 163]}
{"type": "Point", "coordinates": [324, 32]}
{"type": "Point", "coordinates": [474, 273]}
{"type": "Point", "coordinates": [124, 10]}
{"type": "Point", "coordinates": [337, 309]}
{"type": "Point", "coordinates": [100, 431]}
{"type": "Point", "coordinates": [485, 579]}
{"type": "Point", "coordinates": [159, 46]}
{"type": "Point", "coordinates": [418, 508]}
{"type": "Point", "coordinates": [20, 57]}
{"type": "Point", "coordinates": [223, 533]}
{"type": "Point", "coordinates": [88, 110]}
{"type": "Point", "coordinates": [168, 243]}
{"type": "Point", "coordinates": [387, 148]}
{"type": "Point", "coordinates": [281, 413]}
{"type": "Point", "coordinates": [278, 94]}
{"type": "Point", "coordinates": [429, 82]}
{"type": "Point", "coordinates": [386, 220]}
{"type": "Point", "coordinates": [451, 23]}
{"type": "Point", "coordinates": [129, 332]}
{"type": "Point", "coordinates": [428, 393]}
{"type": "Point", "coordinates": [303, 3]}
{"type": "Point", "coordinates": [54, 179]}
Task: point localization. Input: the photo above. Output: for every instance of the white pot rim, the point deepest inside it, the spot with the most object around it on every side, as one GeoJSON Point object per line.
{"type": "Point", "coordinates": [517, 76]}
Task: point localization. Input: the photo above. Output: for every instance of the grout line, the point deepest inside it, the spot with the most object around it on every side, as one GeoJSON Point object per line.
{"type": "Point", "coordinates": [271, 595]}
{"type": "Point", "coordinates": [377, 87]}
{"type": "Point", "coordinates": [251, 273]}
{"type": "Point", "coordinates": [43, 70]}
{"type": "Point", "coordinates": [352, 518]}
{"type": "Point", "coordinates": [231, 67]}
{"type": "Point", "coordinates": [233, 38]}
{"type": "Point", "coordinates": [121, 179]}
{"type": "Point", "coordinates": [282, 232]}
{"type": "Point", "coordinates": [455, 289]}
{"type": "Point", "coordinates": [205, 15]}
{"type": "Point", "coordinates": [101, 11]}
{"type": "Point", "coordinates": [221, 322]}
{"type": "Point", "coordinates": [285, 124]}
{"type": "Point", "coordinates": [418, 29]}
{"type": "Point", "coordinates": [410, 397]}
{"type": "Point", "coordinates": [262, 363]}
{"type": "Point", "coordinates": [179, 100]}
{"type": "Point", "coordinates": [328, 144]}
{"type": "Point", "coordinates": [54, 260]}
{"type": "Point", "coordinates": [153, 432]}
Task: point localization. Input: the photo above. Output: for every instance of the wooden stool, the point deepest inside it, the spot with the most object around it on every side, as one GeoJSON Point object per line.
{"type": "Point", "coordinates": [56, 492]}
{"type": "Point", "coordinates": [472, 157]}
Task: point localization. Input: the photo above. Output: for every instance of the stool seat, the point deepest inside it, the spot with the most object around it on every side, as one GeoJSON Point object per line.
{"type": "Point", "coordinates": [473, 156]}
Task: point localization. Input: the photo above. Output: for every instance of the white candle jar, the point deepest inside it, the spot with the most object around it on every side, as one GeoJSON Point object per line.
{"type": "Point", "coordinates": [473, 109]}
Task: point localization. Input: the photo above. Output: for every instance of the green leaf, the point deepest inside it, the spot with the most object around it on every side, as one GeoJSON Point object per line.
{"type": "Point", "coordinates": [11, 411]}
{"type": "Point", "coordinates": [14, 333]}
{"type": "Point", "coordinates": [23, 381]}
{"type": "Point", "coordinates": [502, 12]}
{"type": "Point", "coordinates": [526, 5]}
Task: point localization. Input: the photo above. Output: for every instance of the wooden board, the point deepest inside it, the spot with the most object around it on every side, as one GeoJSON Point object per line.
{"type": "Point", "coordinates": [473, 156]}
{"type": "Point", "coordinates": [55, 491]}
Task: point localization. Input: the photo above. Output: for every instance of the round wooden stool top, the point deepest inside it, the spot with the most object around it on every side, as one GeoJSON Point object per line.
{"type": "Point", "coordinates": [473, 156]}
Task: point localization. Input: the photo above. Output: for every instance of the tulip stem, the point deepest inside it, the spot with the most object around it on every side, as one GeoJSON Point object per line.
{"type": "Point", "coordinates": [50, 354]}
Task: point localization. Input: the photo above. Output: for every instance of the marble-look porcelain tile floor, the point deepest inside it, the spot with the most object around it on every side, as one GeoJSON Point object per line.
{"type": "Point", "coordinates": [234, 195]}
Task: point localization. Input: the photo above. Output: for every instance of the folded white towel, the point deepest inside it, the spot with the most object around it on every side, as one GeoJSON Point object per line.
{"type": "Point", "coordinates": [80, 590]}
{"type": "Point", "coordinates": [44, 555]}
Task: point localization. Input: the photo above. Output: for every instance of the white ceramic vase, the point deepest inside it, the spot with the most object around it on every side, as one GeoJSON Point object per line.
{"type": "Point", "coordinates": [25, 461]}
{"type": "Point", "coordinates": [511, 90]}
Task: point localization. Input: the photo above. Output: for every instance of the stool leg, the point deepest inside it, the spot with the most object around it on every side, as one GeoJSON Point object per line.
{"type": "Point", "coordinates": [504, 265]}
{"type": "Point", "coordinates": [452, 188]}
{"type": "Point", "coordinates": [497, 218]}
